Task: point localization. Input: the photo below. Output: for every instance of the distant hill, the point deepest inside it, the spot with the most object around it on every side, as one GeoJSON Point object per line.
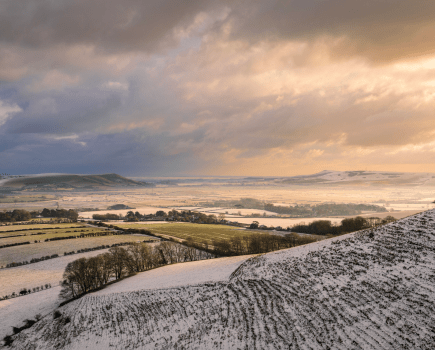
{"type": "Point", "coordinates": [372, 289]}
{"type": "Point", "coordinates": [69, 181]}
{"type": "Point", "coordinates": [356, 178]}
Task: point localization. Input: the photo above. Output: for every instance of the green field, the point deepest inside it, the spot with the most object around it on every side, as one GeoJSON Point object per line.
{"type": "Point", "coordinates": [64, 232]}
{"type": "Point", "coordinates": [37, 250]}
{"type": "Point", "coordinates": [24, 199]}
{"type": "Point", "coordinates": [199, 232]}
{"type": "Point", "coordinates": [36, 226]}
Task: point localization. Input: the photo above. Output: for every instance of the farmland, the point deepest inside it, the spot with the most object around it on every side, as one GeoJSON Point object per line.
{"type": "Point", "coordinates": [371, 289]}
{"type": "Point", "coordinates": [4, 229]}
{"type": "Point", "coordinates": [37, 250]}
{"type": "Point", "coordinates": [199, 232]}
{"type": "Point", "coordinates": [34, 275]}
{"type": "Point", "coordinates": [25, 236]}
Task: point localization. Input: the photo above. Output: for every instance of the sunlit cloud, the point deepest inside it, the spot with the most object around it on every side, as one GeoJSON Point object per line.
{"type": "Point", "coordinates": [217, 87]}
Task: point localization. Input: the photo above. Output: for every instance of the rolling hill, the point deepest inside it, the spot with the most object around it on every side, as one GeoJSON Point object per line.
{"type": "Point", "coordinates": [68, 181]}
{"type": "Point", "coordinates": [374, 178]}
{"type": "Point", "coordinates": [372, 289]}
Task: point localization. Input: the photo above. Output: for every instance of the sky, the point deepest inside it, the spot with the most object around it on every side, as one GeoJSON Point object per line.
{"type": "Point", "coordinates": [188, 88]}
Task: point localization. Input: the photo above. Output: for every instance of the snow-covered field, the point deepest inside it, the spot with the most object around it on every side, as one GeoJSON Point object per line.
{"type": "Point", "coordinates": [14, 311]}
{"type": "Point", "coordinates": [177, 275]}
{"type": "Point", "coordinates": [366, 290]}
{"type": "Point", "coordinates": [37, 274]}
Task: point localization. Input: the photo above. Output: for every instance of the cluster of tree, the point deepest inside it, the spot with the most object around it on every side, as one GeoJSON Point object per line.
{"type": "Point", "coordinates": [24, 215]}
{"type": "Point", "coordinates": [60, 213]}
{"type": "Point", "coordinates": [258, 243]}
{"type": "Point", "coordinates": [105, 217]}
{"type": "Point", "coordinates": [325, 227]}
{"type": "Point", "coordinates": [172, 215]}
{"type": "Point", "coordinates": [13, 244]}
{"type": "Point", "coordinates": [86, 274]}
{"type": "Point", "coordinates": [15, 215]}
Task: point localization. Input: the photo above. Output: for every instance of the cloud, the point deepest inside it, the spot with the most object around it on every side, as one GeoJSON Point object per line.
{"type": "Point", "coordinates": [108, 25]}
{"type": "Point", "coordinates": [381, 31]}
{"type": "Point", "coordinates": [6, 110]}
{"type": "Point", "coordinates": [164, 87]}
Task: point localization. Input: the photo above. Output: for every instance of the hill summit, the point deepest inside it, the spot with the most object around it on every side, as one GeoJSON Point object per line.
{"type": "Point", "coordinates": [372, 289]}
{"type": "Point", "coordinates": [68, 181]}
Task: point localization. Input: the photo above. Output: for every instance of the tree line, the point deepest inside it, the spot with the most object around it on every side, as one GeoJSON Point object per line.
{"type": "Point", "coordinates": [257, 243]}
{"type": "Point", "coordinates": [86, 235]}
{"type": "Point", "coordinates": [24, 215]}
{"type": "Point", "coordinates": [325, 227]}
{"type": "Point", "coordinates": [13, 244]}
{"type": "Point", "coordinates": [172, 215]}
{"type": "Point", "coordinates": [87, 274]}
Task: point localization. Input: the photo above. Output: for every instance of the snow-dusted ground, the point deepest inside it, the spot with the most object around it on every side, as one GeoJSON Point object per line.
{"type": "Point", "coordinates": [14, 311]}
{"type": "Point", "coordinates": [37, 274]}
{"type": "Point", "coordinates": [373, 289]}
{"type": "Point", "coordinates": [177, 275]}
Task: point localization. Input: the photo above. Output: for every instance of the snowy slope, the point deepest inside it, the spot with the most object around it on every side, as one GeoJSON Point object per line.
{"type": "Point", "coordinates": [189, 273]}
{"type": "Point", "coordinates": [14, 311]}
{"type": "Point", "coordinates": [366, 290]}
{"type": "Point", "coordinates": [364, 177]}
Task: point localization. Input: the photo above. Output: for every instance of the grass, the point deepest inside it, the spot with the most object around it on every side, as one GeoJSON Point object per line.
{"type": "Point", "coordinates": [199, 232]}
{"type": "Point", "coordinates": [65, 232]}
{"type": "Point", "coordinates": [37, 250]}
{"type": "Point", "coordinates": [36, 226]}
{"type": "Point", "coordinates": [24, 199]}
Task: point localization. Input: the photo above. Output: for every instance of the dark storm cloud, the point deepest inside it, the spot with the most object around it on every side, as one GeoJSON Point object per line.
{"type": "Point", "coordinates": [91, 153]}
{"type": "Point", "coordinates": [381, 30]}
{"type": "Point", "coordinates": [108, 24]}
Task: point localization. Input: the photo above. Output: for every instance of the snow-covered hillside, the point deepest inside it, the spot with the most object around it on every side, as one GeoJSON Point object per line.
{"type": "Point", "coordinates": [364, 177]}
{"type": "Point", "coordinates": [367, 290]}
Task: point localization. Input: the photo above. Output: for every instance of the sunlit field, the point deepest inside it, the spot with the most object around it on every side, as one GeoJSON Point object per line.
{"type": "Point", "coordinates": [38, 250]}
{"type": "Point", "coordinates": [41, 236]}
{"type": "Point", "coordinates": [4, 228]}
{"type": "Point", "coordinates": [198, 232]}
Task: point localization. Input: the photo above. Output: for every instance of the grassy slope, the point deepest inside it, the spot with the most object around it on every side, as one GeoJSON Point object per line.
{"type": "Point", "coordinates": [350, 292]}
{"type": "Point", "coordinates": [199, 232]}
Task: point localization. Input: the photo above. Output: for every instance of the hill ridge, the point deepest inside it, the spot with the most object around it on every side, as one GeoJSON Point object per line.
{"type": "Point", "coordinates": [372, 289]}
{"type": "Point", "coordinates": [74, 181]}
